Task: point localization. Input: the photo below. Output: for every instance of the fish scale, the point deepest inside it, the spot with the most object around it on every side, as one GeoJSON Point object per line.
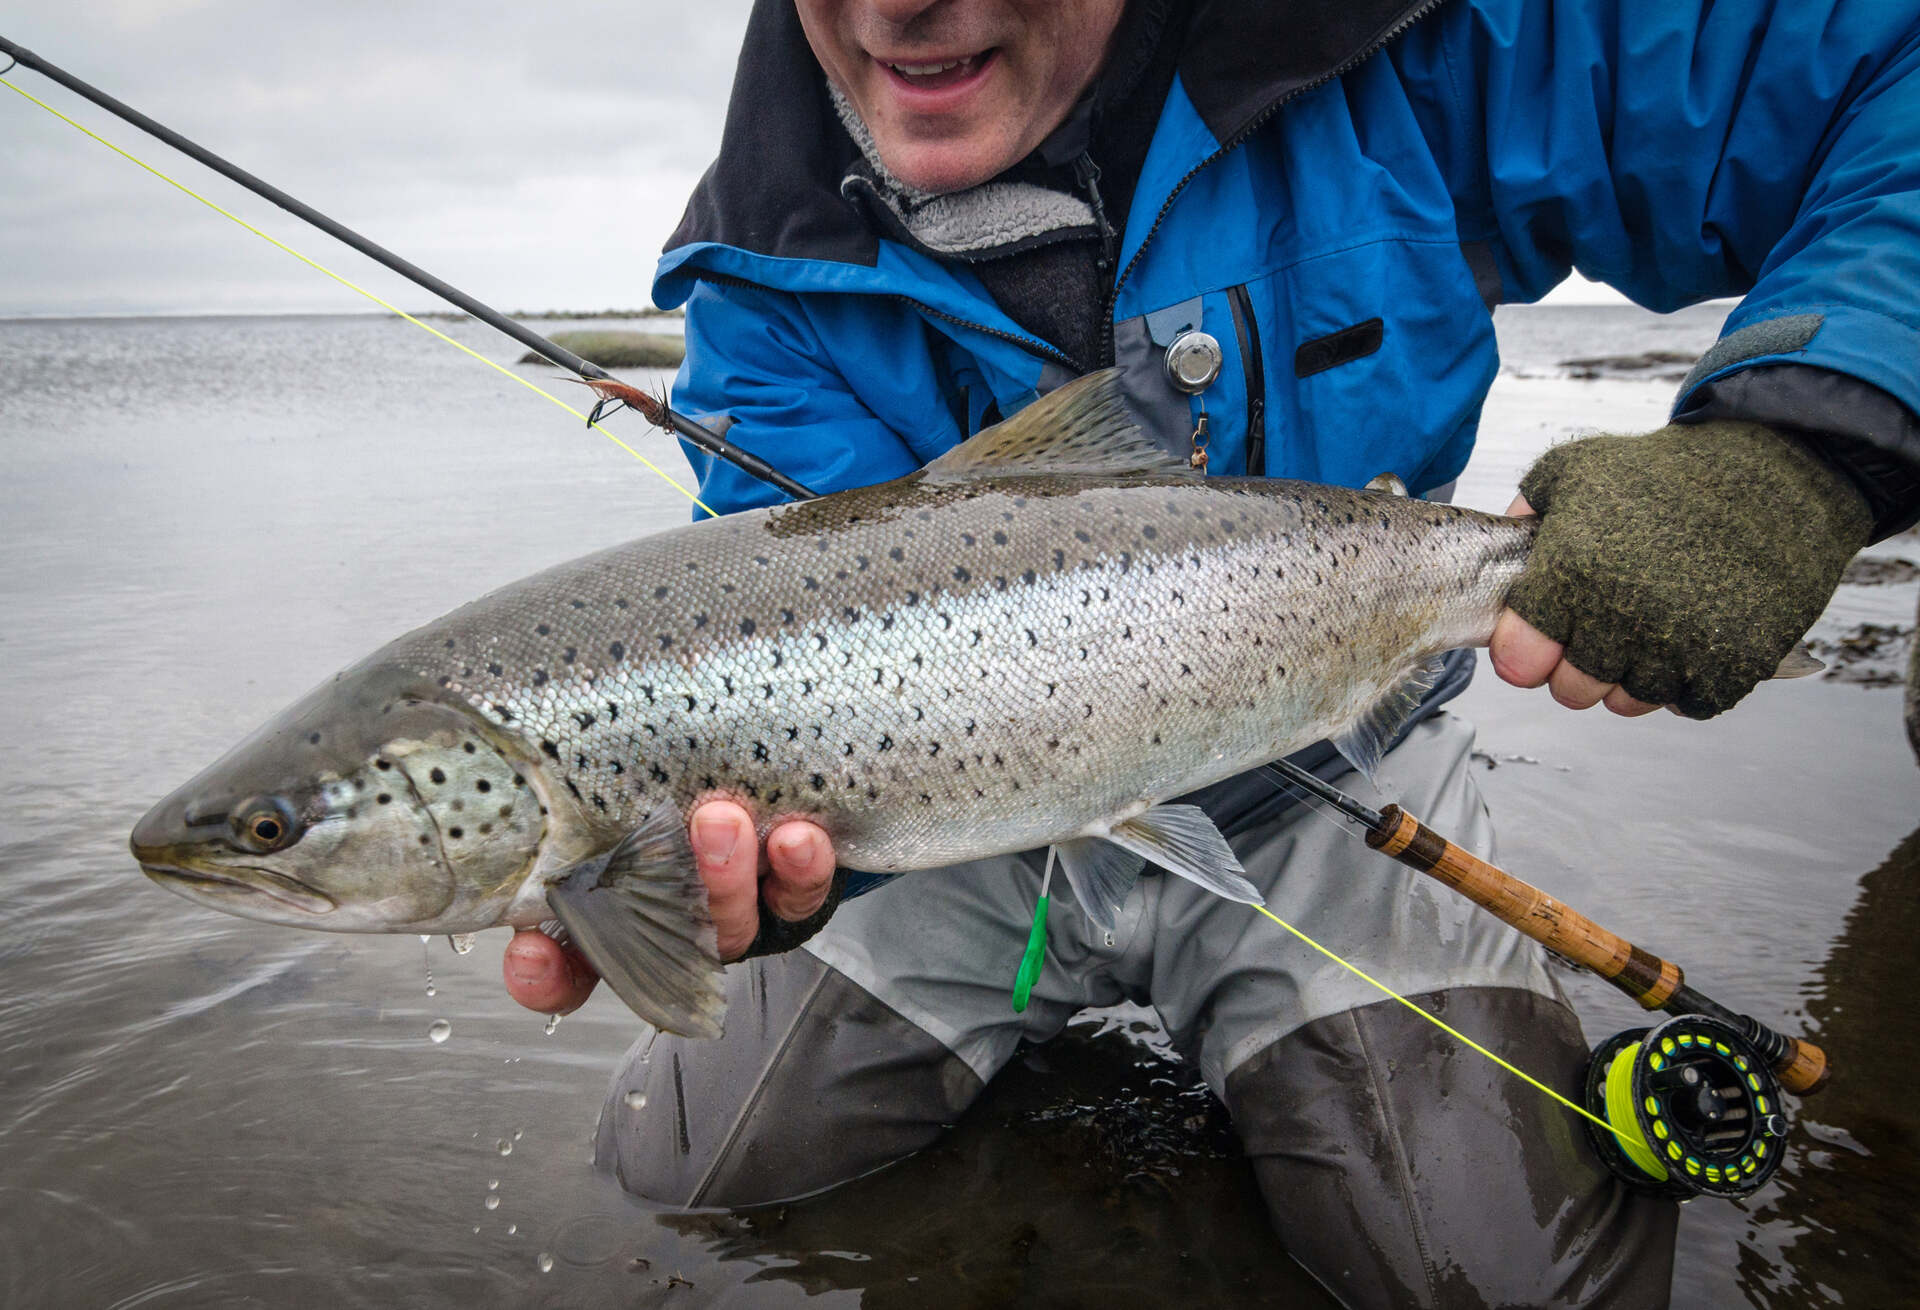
{"type": "Point", "coordinates": [1041, 638]}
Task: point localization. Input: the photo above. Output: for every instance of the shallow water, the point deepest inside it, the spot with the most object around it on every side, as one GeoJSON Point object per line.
{"type": "Point", "coordinates": [206, 516]}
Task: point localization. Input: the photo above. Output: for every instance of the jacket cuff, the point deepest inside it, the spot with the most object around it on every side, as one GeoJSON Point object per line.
{"type": "Point", "coordinates": [1860, 430]}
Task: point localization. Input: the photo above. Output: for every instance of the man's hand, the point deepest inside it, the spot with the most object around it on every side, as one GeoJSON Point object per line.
{"type": "Point", "coordinates": [543, 975]}
{"type": "Point", "coordinates": [1676, 568]}
{"type": "Point", "coordinates": [1526, 657]}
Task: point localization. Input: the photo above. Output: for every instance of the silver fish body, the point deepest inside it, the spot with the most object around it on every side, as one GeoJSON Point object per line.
{"type": "Point", "coordinates": [972, 660]}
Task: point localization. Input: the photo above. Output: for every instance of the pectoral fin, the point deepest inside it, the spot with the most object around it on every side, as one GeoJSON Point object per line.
{"type": "Point", "coordinates": [639, 913]}
{"type": "Point", "coordinates": [1182, 839]}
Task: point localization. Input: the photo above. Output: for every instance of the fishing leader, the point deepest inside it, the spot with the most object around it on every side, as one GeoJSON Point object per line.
{"type": "Point", "coordinates": [1287, 224]}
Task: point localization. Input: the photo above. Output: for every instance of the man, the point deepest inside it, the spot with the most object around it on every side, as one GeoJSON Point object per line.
{"type": "Point", "coordinates": [927, 211]}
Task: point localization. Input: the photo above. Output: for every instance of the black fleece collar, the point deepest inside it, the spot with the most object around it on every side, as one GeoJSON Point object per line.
{"type": "Point", "coordinates": [775, 188]}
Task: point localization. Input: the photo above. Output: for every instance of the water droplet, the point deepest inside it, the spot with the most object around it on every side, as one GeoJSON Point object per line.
{"type": "Point", "coordinates": [462, 942]}
{"type": "Point", "coordinates": [512, 1229]}
{"type": "Point", "coordinates": [425, 938]}
{"type": "Point", "coordinates": [493, 1184]}
{"type": "Point", "coordinates": [636, 1100]}
{"type": "Point", "coordinates": [517, 1132]}
{"type": "Point", "coordinates": [493, 1200]}
{"type": "Point", "coordinates": [432, 990]}
{"type": "Point", "coordinates": [553, 1021]}
{"type": "Point", "coordinates": [647, 1054]}
{"type": "Point", "coordinates": [439, 1030]}
{"type": "Point", "coordinates": [545, 1262]}
{"type": "Point", "coordinates": [503, 1146]}
{"type": "Point", "coordinates": [476, 1228]}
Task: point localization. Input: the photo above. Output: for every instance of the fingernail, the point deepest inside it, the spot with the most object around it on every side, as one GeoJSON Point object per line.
{"type": "Point", "coordinates": [714, 838]}
{"type": "Point", "coordinates": [798, 847]}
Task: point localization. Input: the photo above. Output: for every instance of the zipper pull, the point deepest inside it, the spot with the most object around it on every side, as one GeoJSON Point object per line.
{"type": "Point", "coordinates": [1087, 174]}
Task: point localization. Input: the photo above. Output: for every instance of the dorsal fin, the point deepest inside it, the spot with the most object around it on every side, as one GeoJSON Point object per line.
{"type": "Point", "coordinates": [1084, 427]}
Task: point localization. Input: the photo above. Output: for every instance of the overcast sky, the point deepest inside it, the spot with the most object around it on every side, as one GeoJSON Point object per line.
{"type": "Point", "coordinates": [535, 153]}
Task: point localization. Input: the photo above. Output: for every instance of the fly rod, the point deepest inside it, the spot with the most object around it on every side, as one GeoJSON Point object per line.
{"type": "Point", "coordinates": [654, 411]}
{"type": "Point", "coordinates": [1695, 1101]}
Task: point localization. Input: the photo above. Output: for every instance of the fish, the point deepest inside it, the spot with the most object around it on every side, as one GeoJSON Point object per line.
{"type": "Point", "coordinates": [1039, 639]}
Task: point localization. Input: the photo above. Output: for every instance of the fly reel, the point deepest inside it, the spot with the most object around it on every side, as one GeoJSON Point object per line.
{"type": "Point", "coordinates": [1696, 1108]}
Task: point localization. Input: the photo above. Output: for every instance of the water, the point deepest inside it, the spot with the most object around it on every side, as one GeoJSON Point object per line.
{"type": "Point", "coordinates": [204, 517]}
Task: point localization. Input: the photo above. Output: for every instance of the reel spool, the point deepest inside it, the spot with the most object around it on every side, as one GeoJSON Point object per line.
{"type": "Point", "coordinates": [1699, 1112]}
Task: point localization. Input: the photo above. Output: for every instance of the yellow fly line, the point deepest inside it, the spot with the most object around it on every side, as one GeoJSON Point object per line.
{"type": "Point", "coordinates": [539, 391]}
{"type": "Point", "coordinates": [354, 287]}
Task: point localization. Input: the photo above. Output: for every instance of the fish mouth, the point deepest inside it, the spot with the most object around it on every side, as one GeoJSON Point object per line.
{"type": "Point", "coordinates": [274, 886]}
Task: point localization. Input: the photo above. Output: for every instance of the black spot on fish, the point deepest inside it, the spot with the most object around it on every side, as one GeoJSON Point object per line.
{"type": "Point", "coordinates": [569, 655]}
{"type": "Point", "coordinates": [553, 751]}
{"type": "Point", "coordinates": [657, 773]}
{"type": "Point", "coordinates": [746, 627]}
{"type": "Point", "coordinates": [384, 799]}
{"type": "Point", "coordinates": [449, 643]}
{"type": "Point", "coordinates": [578, 604]}
{"type": "Point", "coordinates": [618, 650]}
{"type": "Point", "coordinates": [456, 832]}
{"type": "Point", "coordinates": [438, 775]}
{"type": "Point", "coordinates": [583, 719]}
{"type": "Point", "coordinates": [619, 603]}
{"type": "Point", "coordinates": [539, 677]}
{"type": "Point", "coordinates": [817, 782]}
{"type": "Point", "coordinates": [314, 739]}
{"type": "Point", "coordinates": [575, 790]}
{"type": "Point", "coordinates": [494, 669]}
{"type": "Point", "coordinates": [666, 642]}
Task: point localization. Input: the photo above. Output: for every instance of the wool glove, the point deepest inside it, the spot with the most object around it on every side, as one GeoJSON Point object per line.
{"type": "Point", "coordinates": [1684, 564]}
{"type": "Point", "coordinates": [778, 935]}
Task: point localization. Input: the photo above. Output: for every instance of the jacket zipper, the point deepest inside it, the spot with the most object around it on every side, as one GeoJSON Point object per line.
{"type": "Point", "coordinates": [1253, 125]}
{"type": "Point", "coordinates": [1251, 364]}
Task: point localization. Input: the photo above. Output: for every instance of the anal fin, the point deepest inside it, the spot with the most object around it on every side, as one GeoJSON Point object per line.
{"type": "Point", "coordinates": [639, 914]}
{"type": "Point", "coordinates": [1367, 739]}
{"type": "Point", "coordinates": [1182, 839]}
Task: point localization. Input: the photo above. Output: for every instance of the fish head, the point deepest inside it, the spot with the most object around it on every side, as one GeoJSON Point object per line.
{"type": "Point", "coordinates": [375, 804]}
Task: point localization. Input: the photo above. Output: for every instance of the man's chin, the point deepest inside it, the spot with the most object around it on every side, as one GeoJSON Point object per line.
{"type": "Point", "coordinates": [947, 164]}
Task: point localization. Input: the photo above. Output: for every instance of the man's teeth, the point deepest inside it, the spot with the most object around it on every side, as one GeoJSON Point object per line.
{"type": "Point", "coordinates": [928, 70]}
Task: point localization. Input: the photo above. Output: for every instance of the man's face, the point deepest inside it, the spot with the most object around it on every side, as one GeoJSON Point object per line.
{"type": "Point", "coordinates": [956, 91]}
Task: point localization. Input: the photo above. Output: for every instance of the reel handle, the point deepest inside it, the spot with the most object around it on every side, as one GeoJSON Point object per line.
{"type": "Point", "coordinates": [1655, 983]}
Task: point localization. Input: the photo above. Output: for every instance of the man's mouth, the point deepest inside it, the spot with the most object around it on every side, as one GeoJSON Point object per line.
{"type": "Point", "coordinates": [935, 75]}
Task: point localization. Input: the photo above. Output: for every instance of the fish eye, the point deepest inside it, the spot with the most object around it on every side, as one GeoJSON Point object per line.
{"type": "Point", "coordinates": [264, 823]}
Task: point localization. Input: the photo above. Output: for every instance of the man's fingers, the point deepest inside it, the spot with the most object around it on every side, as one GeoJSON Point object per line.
{"type": "Point", "coordinates": [1626, 706]}
{"type": "Point", "coordinates": [728, 853]}
{"type": "Point", "coordinates": [1576, 690]}
{"type": "Point", "coordinates": [543, 975]}
{"type": "Point", "coordinates": [800, 869]}
{"type": "Point", "coordinates": [1522, 654]}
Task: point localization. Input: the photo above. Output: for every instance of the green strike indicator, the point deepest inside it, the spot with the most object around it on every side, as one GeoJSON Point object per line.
{"type": "Point", "coordinates": [1035, 957]}
{"type": "Point", "coordinates": [1036, 953]}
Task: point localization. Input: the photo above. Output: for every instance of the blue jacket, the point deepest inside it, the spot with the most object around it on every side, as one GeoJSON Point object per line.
{"type": "Point", "coordinates": [1339, 195]}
